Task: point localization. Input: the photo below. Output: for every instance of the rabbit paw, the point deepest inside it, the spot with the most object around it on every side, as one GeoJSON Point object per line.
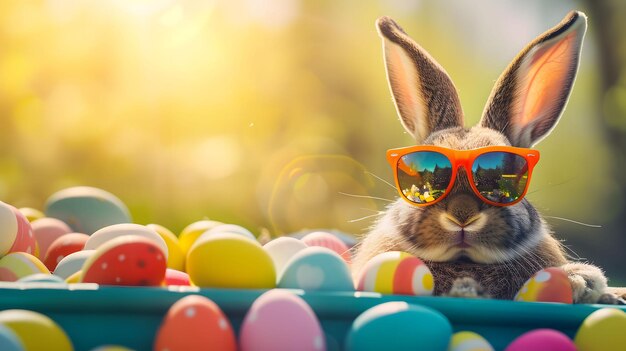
{"type": "Point", "coordinates": [467, 287]}
{"type": "Point", "coordinates": [588, 283]}
{"type": "Point", "coordinates": [611, 299]}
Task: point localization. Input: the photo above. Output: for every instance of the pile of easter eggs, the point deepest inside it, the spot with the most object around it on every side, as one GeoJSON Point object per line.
{"type": "Point", "coordinates": [86, 235]}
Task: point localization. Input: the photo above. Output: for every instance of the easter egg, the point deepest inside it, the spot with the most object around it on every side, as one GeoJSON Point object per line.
{"type": "Point", "coordinates": [113, 231]}
{"type": "Point", "coordinates": [469, 341]}
{"type": "Point", "coordinates": [9, 340]}
{"type": "Point", "coordinates": [28, 324]}
{"type": "Point", "coordinates": [227, 260]}
{"type": "Point", "coordinates": [74, 278]}
{"type": "Point", "coordinates": [279, 320]}
{"type": "Point", "coordinates": [111, 348]}
{"type": "Point", "coordinates": [396, 272]}
{"type": "Point", "coordinates": [20, 264]}
{"type": "Point", "coordinates": [31, 214]}
{"type": "Point", "coordinates": [175, 255]}
{"type": "Point", "coordinates": [317, 269]}
{"type": "Point", "coordinates": [16, 234]}
{"type": "Point", "coordinates": [547, 285]}
{"type": "Point", "coordinates": [410, 325]}
{"type": "Point", "coordinates": [195, 323]}
{"type": "Point", "coordinates": [174, 277]}
{"type": "Point", "coordinates": [230, 228]}
{"type": "Point", "coordinates": [86, 209]}
{"type": "Point", "coordinates": [41, 278]}
{"type": "Point", "coordinates": [282, 249]}
{"type": "Point", "coordinates": [191, 232]}
{"type": "Point", "coordinates": [603, 329]}
{"type": "Point", "coordinates": [330, 241]}
{"type": "Point", "coordinates": [46, 230]}
{"type": "Point", "coordinates": [8, 228]}
{"type": "Point", "coordinates": [72, 263]}
{"type": "Point", "coordinates": [542, 340]}
{"type": "Point", "coordinates": [126, 260]}
{"type": "Point", "coordinates": [63, 246]}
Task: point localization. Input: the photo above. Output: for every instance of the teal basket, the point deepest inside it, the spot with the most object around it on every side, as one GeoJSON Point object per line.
{"type": "Point", "coordinates": [130, 316]}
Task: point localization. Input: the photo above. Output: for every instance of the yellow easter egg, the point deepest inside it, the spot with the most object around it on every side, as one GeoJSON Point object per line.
{"type": "Point", "coordinates": [75, 277]}
{"type": "Point", "coordinates": [175, 255]}
{"type": "Point", "coordinates": [17, 265]}
{"type": "Point", "coordinates": [36, 331]}
{"type": "Point", "coordinates": [603, 329]}
{"type": "Point", "coordinates": [31, 214]}
{"type": "Point", "coordinates": [191, 232]}
{"type": "Point", "coordinates": [469, 341]}
{"type": "Point", "coordinates": [227, 260]}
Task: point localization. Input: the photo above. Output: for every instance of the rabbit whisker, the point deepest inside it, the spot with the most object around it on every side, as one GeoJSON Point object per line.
{"type": "Point", "coordinates": [575, 222]}
{"type": "Point", "coordinates": [363, 218]}
{"type": "Point", "coordinates": [366, 197]}
{"type": "Point", "coordinates": [547, 186]}
{"type": "Point", "coordinates": [381, 179]}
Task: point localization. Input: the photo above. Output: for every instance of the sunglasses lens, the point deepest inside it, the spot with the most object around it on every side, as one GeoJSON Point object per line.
{"type": "Point", "coordinates": [500, 176]}
{"type": "Point", "coordinates": [424, 176]}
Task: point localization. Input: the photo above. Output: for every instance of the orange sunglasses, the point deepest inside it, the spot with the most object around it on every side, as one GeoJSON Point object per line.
{"type": "Point", "coordinates": [498, 175]}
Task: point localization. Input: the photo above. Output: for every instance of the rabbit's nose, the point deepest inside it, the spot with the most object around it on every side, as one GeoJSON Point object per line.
{"type": "Point", "coordinates": [463, 207]}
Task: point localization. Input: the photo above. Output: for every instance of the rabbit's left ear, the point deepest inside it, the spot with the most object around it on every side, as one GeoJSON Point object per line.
{"type": "Point", "coordinates": [530, 96]}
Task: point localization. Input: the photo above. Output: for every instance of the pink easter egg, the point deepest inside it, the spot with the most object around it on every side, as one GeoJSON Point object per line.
{"type": "Point", "coordinates": [64, 245]}
{"type": "Point", "coordinates": [174, 277]}
{"type": "Point", "coordinates": [279, 320]}
{"type": "Point", "coordinates": [195, 323]}
{"type": "Point", "coordinates": [46, 230]}
{"type": "Point", "coordinates": [329, 241]}
{"type": "Point", "coordinates": [542, 340]}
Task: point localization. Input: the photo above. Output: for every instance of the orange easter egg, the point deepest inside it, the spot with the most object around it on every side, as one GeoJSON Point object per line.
{"type": "Point", "coordinates": [195, 323]}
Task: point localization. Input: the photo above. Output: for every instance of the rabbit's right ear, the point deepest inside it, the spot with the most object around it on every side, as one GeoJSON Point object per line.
{"type": "Point", "coordinates": [423, 93]}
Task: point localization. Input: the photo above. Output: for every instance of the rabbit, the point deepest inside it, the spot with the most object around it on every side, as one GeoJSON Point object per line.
{"type": "Point", "coordinates": [509, 244]}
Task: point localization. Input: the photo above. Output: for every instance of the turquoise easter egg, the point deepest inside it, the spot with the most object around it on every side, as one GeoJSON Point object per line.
{"type": "Point", "coordinates": [399, 326]}
{"type": "Point", "coordinates": [86, 209]}
{"type": "Point", "coordinates": [316, 269]}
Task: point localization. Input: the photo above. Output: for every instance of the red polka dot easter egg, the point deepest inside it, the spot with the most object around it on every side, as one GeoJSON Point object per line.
{"type": "Point", "coordinates": [195, 323]}
{"type": "Point", "coordinates": [396, 272]}
{"type": "Point", "coordinates": [16, 234]}
{"type": "Point", "coordinates": [547, 285]}
{"type": "Point", "coordinates": [46, 230]}
{"type": "Point", "coordinates": [329, 241]}
{"type": "Point", "coordinates": [63, 246]}
{"type": "Point", "coordinates": [126, 260]}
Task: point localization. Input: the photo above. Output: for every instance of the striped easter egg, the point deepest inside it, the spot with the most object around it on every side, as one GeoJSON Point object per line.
{"type": "Point", "coordinates": [328, 241]}
{"type": "Point", "coordinates": [396, 272]}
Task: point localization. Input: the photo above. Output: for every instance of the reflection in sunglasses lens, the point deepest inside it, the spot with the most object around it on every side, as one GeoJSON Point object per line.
{"type": "Point", "coordinates": [500, 176]}
{"type": "Point", "coordinates": [424, 176]}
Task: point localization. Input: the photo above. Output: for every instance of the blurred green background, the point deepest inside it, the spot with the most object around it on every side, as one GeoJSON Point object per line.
{"type": "Point", "coordinates": [274, 114]}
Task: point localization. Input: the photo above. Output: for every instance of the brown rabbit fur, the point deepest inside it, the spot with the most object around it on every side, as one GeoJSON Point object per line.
{"type": "Point", "coordinates": [507, 245]}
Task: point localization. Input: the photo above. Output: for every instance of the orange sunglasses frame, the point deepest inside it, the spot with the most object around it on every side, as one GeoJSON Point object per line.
{"type": "Point", "coordinates": [462, 158]}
